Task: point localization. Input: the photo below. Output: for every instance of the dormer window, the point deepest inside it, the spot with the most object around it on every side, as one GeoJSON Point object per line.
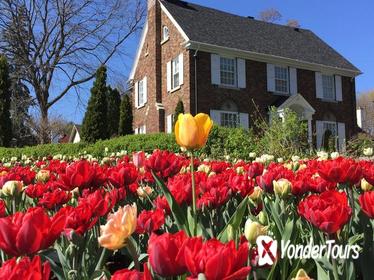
{"type": "Point", "coordinates": [165, 33]}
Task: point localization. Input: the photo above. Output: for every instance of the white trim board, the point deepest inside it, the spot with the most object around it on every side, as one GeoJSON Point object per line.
{"type": "Point", "coordinates": [270, 59]}
{"type": "Point", "coordinates": [139, 51]}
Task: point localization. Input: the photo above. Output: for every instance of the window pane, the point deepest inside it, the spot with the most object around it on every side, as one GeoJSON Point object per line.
{"type": "Point", "coordinates": [175, 72]}
{"type": "Point", "coordinates": [281, 79]}
{"type": "Point", "coordinates": [230, 119]}
{"type": "Point", "coordinates": [140, 93]}
{"type": "Point", "coordinates": [328, 87]}
{"type": "Point", "coordinates": [228, 71]}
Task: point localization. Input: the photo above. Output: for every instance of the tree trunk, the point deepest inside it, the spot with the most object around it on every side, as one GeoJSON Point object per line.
{"type": "Point", "coordinates": [44, 127]}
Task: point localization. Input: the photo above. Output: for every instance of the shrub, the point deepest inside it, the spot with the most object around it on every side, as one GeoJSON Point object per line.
{"type": "Point", "coordinates": [358, 143]}
{"type": "Point", "coordinates": [283, 137]}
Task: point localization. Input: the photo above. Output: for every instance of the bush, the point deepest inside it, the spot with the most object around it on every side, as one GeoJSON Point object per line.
{"type": "Point", "coordinates": [358, 143]}
{"type": "Point", "coordinates": [283, 137]}
{"type": "Point", "coordinates": [235, 142]}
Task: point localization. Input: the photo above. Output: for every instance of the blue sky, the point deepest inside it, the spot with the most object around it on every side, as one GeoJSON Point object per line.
{"type": "Point", "coordinates": [345, 25]}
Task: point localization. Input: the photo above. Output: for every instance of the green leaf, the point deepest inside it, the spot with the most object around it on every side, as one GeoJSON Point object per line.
{"type": "Point", "coordinates": [234, 221]}
{"type": "Point", "coordinates": [321, 272]}
{"type": "Point", "coordinates": [50, 255]}
{"type": "Point", "coordinates": [176, 210]}
{"type": "Point", "coordinates": [288, 229]}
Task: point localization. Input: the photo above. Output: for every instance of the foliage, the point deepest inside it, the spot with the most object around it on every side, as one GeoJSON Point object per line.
{"type": "Point", "coordinates": [283, 137]}
{"type": "Point", "coordinates": [94, 126]}
{"type": "Point", "coordinates": [126, 117]}
{"type": "Point", "coordinates": [113, 111]}
{"type": "Point", "coordinates": [179, 109]}
{"type": "Point", "coordinates": [358, 143]}
{"type": "Point", "coordinates": [5, 121]}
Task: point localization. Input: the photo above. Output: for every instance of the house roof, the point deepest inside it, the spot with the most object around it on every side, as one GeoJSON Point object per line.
{"type": "Point", "coordinates": [218, 28]}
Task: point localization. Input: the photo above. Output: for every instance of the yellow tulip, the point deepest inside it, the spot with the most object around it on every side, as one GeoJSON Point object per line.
{"type": "Point", "coordinates": [252, 230]}
{"type": "Point", "coordinates": [302, 275]}
{"type": "Point", "coordinates": [192, 132]}
{"type": "Point", "coordinates": [11, 188]}
{"type": "Point", "coordinates": [365, 185]}
{"type": "Point", "coordinates": [119, 227]}
{"type": "Point", "coordinates": [282, 187]}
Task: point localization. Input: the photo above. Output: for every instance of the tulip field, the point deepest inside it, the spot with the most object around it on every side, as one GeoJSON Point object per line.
{"type": "Point", "coordinates": [184, 216]}
{"type": "Point", "coordinates": [131, 217]}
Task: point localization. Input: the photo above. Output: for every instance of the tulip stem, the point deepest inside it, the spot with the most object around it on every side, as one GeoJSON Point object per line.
{"type": "Point", "coordinates": [193, 195]}
{"type": "Point", "coordinates": [101, 260]}
{"type": "Point", "coordinates": [132, 250]}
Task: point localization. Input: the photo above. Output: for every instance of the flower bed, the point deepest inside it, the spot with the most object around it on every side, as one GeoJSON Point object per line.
{"type": "Point", "coordinates": [52, 211]}
{"type": "Point", "coordinates": [176, 216]}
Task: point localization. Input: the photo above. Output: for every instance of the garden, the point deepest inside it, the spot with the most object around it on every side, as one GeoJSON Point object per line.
{"type": "Point", "coordinates": [181, 213]}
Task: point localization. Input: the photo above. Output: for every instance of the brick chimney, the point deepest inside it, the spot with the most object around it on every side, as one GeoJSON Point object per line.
{"type": "Point", "coordinates": [155, 87]}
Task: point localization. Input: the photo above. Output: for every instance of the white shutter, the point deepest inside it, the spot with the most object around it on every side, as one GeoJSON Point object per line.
{"type": "Point", "coordinates": [319, 132]}
{"type": "Point", "coordinates": [241, 73]}
{"type": "Point", "coordinates": [145, 91]}
{"type": "Point", "coordinates": [181, 69]}
{"type": "Point", "coordinates": [169, 124]}
{"type": "Point", "coordinates": [136, 131]}
{"type": "Point", "coordinates": [136, 94]}
{"type": "Point", "coordinates": [168, 76]}
{"type": "Point", "coordinates": [293, 81]}
{"type": "Point", "coordinates": [270, 77]}
{"type": "Point", "coordinates": [215, 116]}
{"type": "Point", "coordinates": [319, 87]}
{"type": "Point", "coordinates": [215, 69]}
{"type": "Point", "coordinates": [244, 120]}
{"type": "Point", "coordinates": [338, 88]}
{"type": "Point", "coordinates": [341, 135]}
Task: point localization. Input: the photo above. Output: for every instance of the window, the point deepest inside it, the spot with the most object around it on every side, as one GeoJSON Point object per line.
{"type": "Point", "coordinates": [175, 72]}
{"type": "Point", "coordinates": [281, 79]}
{"type": "Point", "coordinates": [328, 87]}
{"type": "Point", "coordinates": [141, 93]}
{"type": "Point", "coordinates": [329, 136]}
{"type": "Point", "coordinates": [230, 119]}
{"type": "Point", "coordinates": [165, 33]}
{"type": "Point", "coordinates": [228, 71]}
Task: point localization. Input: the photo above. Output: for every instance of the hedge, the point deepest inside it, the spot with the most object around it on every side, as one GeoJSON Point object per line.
{"type": "Point", "coordinates": [235, 142]}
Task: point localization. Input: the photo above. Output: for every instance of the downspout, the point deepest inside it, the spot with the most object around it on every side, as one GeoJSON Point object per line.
{"type": "Point", "coordinates": [195, 58]}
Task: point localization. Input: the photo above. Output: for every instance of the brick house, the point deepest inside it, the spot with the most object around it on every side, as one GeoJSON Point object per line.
{"type": "Point", "coordinates": [226, 65]}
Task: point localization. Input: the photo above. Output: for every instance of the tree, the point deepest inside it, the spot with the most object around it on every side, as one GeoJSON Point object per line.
{"type": "Point", "coordinates": [126, 117]}
{"type": "Point", "coordinates": [270, 15]}
{"type": "Point", "coordinates": [58, 45]}
{"type": "Point", "coordinates": [179, 109]}
{"type": "Point", "coordinates": [94, 126]}
{"type": "Point", "coordinates": [5, 121]}
{"type": "Point", "coordinates": [113, 102]}
{"type": "Point", "coordinates": [293, 23]}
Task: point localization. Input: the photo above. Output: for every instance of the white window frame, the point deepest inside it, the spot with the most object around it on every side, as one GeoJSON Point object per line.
{"type": "Point", "coordinates": [165, 34]}
{"type": "Point", "coordinates": [233, 72]}
{"type": "Point", "coordinates": [286, 79]}
{"type": "Point", "coordinates": [222, 114]}
{"type": "Point", "coordinates": [334, 131]}
{"type": "Point", "coordinates": [325, 87]}
{"type": "Point", "coordinates": [141, 92]}
{"type": "Point", "coordinates": [169, 129]}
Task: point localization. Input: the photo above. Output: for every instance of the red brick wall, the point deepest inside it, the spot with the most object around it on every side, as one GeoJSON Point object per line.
{"type": "Point", "coordinates": [213, 96]}
{"type": "Point", "coordinates": [154, 67]}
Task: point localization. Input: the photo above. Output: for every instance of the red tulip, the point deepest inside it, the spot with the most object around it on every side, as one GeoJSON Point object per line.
{"type": "Point", "coordinates": [27, 233]}
{"type": "Point", "coordinates": [164, 163]}
{"type": "Point", "coordinates": [26, 268]}
{"type": "Point", "coordinates": [340, 170]}
{"type": "Point", "coordinates": [78, 219]}
{"type": "Point", "coordinates": [163, 251]}
{"type": "Point", "coordinates": [50, 200]}
{"type": "Point", "coordinates": [2, 208]}
{"type": "Point", "coordinates": [149, 221]}
{"type": "Point", "coordinates": [367, 203]}
{"type": "Point", "coordinates": [138, 159]}
{"type": "Point", "coordinates": [132, 274]}
{"type": "Point", "coordinates": [123, 175]}
{"type": "Point", "coordinates": [217, 261]}
{"type": "Point", "coordinates": [328, 211]}
{"type": "Point", "coordinates": [368, 170]}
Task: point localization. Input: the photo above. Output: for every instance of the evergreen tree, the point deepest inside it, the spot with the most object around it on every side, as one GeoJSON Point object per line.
{"type": "Point", "coordinates": [114, 101]}
{"type": "Point", "coordinates": [179, 109]}
{"type": "Point", "coordinates": [5, 121]}
{"type": "Point", "coordinates": [126, 118]}
{"type": "Point", "coordinates": [94, 126]}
